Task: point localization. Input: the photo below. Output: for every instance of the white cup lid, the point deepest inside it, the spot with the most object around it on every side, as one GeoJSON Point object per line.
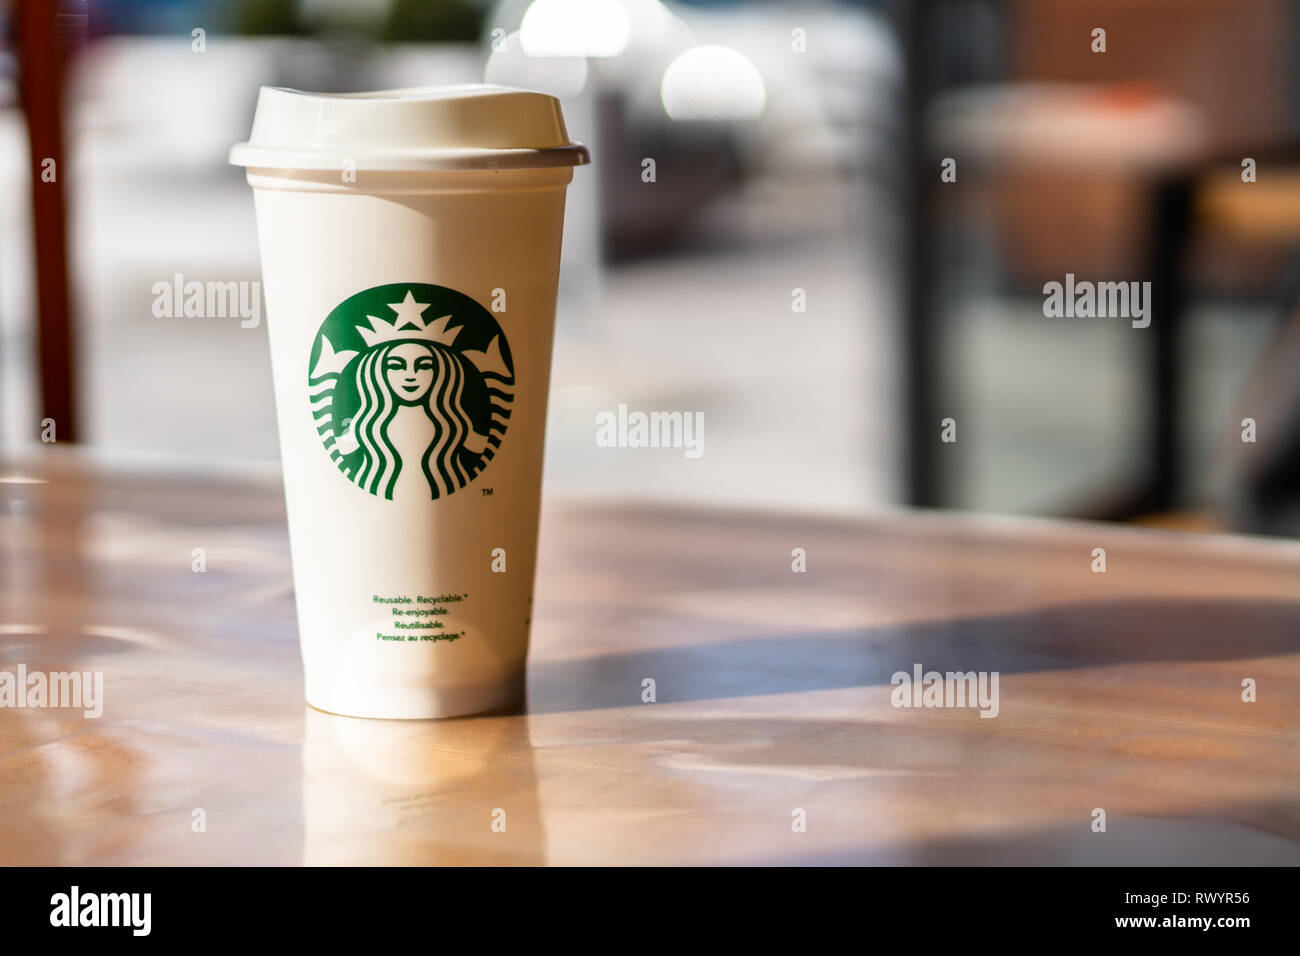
{"type": "Point", "coordinates": [473, 126]}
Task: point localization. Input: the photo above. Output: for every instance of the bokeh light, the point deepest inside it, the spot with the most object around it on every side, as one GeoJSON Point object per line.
{"type": "Point", "coordinates": [574, 28]}
{"type": "Point", "coordinates": [713, 82]}
{"type": "Point", "coordinates": [509, 65]}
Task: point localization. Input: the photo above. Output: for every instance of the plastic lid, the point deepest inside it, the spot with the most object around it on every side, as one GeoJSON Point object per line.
{"type": "Point", "coordinates": [438, 127]}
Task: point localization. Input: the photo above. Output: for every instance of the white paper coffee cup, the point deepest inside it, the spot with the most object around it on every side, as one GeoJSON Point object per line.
{"type": "Point", "coordinates": [410, 246]}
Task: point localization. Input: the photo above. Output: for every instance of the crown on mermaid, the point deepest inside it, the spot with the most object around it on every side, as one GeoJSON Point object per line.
{"type": "Point", "coordinates": [409, 324]}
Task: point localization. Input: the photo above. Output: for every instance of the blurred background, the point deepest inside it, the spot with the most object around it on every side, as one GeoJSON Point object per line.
{"type": "Point", "coordinates": [799, 267]}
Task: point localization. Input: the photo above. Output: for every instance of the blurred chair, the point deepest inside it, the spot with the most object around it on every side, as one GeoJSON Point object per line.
{"type": "Point", "coordinates": [1126, 179]}
{"type": "Point", "coordinates": [1263, 475]}
{"type": "Point", "coordinates": [45, 32]}
{"type": "Point", "coordinates": [1263, 485]}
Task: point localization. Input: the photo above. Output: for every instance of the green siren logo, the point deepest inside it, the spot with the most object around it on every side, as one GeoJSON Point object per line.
{"type": "Point", "coordinates": [410, 388]}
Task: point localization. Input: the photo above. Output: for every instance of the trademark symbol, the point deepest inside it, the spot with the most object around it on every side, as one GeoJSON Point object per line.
{"type": "Point", "coordinates": [486, 492]}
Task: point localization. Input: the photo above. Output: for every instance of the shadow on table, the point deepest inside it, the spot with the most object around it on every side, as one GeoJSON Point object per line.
{"type": "Point", "coordinates": [1228, 839]}
{"type": "Point", "coordinates": [1054, 638]}
{"type": "Point", "coordinates": [867, 780]}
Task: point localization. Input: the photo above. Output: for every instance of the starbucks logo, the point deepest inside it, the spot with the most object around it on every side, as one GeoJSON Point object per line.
{"type": "Point", "coordinates": [410, 388]}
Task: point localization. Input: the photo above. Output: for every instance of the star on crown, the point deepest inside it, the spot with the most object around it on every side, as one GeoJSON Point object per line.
{"type": "Point", "coordinates": [409, 324]}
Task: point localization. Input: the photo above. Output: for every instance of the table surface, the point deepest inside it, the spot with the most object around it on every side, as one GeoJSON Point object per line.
{"type": "Point", "coordinates": [1120, 691]}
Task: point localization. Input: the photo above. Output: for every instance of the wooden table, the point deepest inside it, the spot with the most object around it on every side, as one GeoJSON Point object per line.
{"type": "Point", "coordinates": [1120, 691]}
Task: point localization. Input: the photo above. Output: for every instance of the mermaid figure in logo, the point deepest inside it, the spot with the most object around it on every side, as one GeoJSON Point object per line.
{"type": "Point", "coordinates": [411, 411]}
{"type": "Point", "coordinates": [410, 436]}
